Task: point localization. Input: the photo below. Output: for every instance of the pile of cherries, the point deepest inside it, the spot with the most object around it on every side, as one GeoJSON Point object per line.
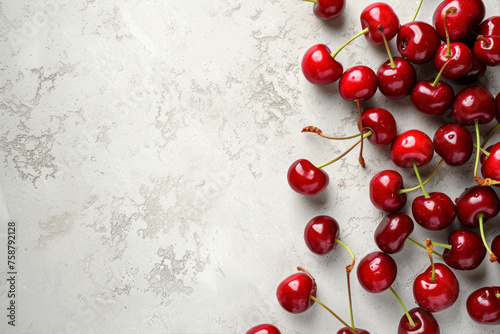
{"type": "Point", "coordinates": [471, 44]}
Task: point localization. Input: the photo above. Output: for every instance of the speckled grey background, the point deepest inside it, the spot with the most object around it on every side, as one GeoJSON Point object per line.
{"type": "Point", "coordinates": [143, 153]}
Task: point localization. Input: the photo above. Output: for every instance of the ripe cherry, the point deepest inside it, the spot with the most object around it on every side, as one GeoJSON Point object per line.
{"type": "Point", "coordinates": [264, 329]}
{"type": "Point", "coordinates": [307, 179]}
{"type": "Point", "coordinates": [412, 146]}
{"type": "Point", "coordinates": [294, 292]}
{"type": "Point", "coordinates": [376, 272]}
{"type": "Point", "coordinates": [382, 125]}
{"type": "Point", "coordinates": [473, 103]}
{"type": "Point", "coordinates": [453, 143]}
{"type": "Point", "coordinates": [319, 67]}
{"type": "Point", "coordinates": [384, 191]}
{"type": "Point", "coordinates": [491, 163]}
{"type": "Point", "coordinates": [328, 9]}
{"type": "Point", "coordinates": [434, 212]}
{"type": "Point", "coordinates": [358, 83]}
{"type": "Point", "coordinates": [483, 305]}
{"type": "Point", "coordinates": [432, 97]}
{"type": "Point", "coordinates": [418, 42]}
{"type": "Point", "coordinates": [469, 13]}
{"type": "Point", "coordinates": [467, 250]}
{"type": "Point", "coordinates": [490, 26]}
{"type": "Point", "coordinates": [397, 78]}
{"type": "Point", "coordinates": [487, 50]}
{"type": "Point", "coordinates": [392, 232]}
{"type": "Point", "coordinates": [459, 57]}
{"type": "Point", "coordinates": [321, 234]}
{"type": "Point", "coordinates": [377, 14]}
{"type": "Point", "coordinates": [425, 323]}
{"type": "Point", "coordinates": [475, 201]}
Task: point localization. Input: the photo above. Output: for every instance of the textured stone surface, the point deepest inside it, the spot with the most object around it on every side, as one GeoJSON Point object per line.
{"type": "Point", "coordinates": [143, 155]}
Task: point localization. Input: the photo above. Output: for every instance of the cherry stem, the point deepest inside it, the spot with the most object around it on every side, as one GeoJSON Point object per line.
{"type": "Point", "coordinates": [436, 81]}
{"type": "Point", "coordinates": [349, 267]}
{"type": "Point", "coordinates": [343, 154]}
{"type": "Point", "coordinates": [480, 217]}
{"type": "Point", "coordinates": [412, 323]}
{"type": "Point", "coordinates": [452, 11]}
{"type": "Point", "coordinates": [481, 38]}
{"type": "Point", "coordinates": [348, 270]}
{"type": "Point", "coordinates": [422, 246]}
{"type": "Point", "coordinates": [483, 151]}
{"type": "Point", "coordinates": [360, 128]}
{"type": "Point", "coordinates": [306, 272]}
{"type": "Point", "coordinates": [488, 136]}
{"type": "Point", "coordinates": [314, 1]}
{"type": "Point", "coordinates": [364, 31]}
{"type": "Point", "coordinates": [418, 9]}
{"type": "Point", "coordinates": [318, 131]}
{"type": "Point", "coordinates": [430, 248]}
{"type": "Point", "coordinates": [478, 179]}
{"type": "Point", "coordinates": [415, 168]}
{"type": "Point", "coordinates": [381, 29]}
{"type": "Point", "coordinates": [333, 313]}
{"type": "Point", "coordinates": [442, 245]}
{"type": "Point", "coordinates": [404, 191]}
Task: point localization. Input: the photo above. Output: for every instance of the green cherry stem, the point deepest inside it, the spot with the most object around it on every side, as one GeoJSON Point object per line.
{"type": "Point", "coordinates": [436, 81]}
{"type": "Point", "coordinates": [360, 128]}
{"type": "Point", "coordinates": [333, 313]}
{"type": "Point", "coordinates": [430, 248]}
{"type": "Point", "coordinates": [488, 136]}
{"type": "Point", "coordinates": [318, 131]}
{"type": "Point", "coordinates": [422, 246]}
{"type": "Point", "coordinates": [348, 270]}
{"type": "Point", "coordinates": [381, 29]}
{"type": "Point", "coordinates": [404, 191]}
{"type": "Point", "coordinates": [415, 168]}
{"type": "Point", "coordinates": [442, 245]}
{"type": "Point", "coordinates": [480, 217]}
{"type": "Point", "coordinates": [418, 9]}
{"type": "Point", "coordinates": [364, 31]}
{"type": "Point", "coordinates": [483, 151]}
{"type": "Point", "coordinates": [343, 154]}
{"type": "Point", "coordinates": [478, 179]}
{"type": "Point", "coordinates": [452, 11]}
{"type": "Point", "coordinates": [313, 1]}
{"type": "Point", "coordinates": [412, 323]}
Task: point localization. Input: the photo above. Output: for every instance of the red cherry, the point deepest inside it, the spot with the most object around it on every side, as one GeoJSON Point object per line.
{"type": "Point", "coordinates": [495, 246]}
{"type": "Point", "coordinates": [263, 329]}
{"type": "Point", "coordinates": [434, 213]}
{"type": "Point", "coordinates": [345, 330]}
{"type": "Point", "coordinates": [453, 143]}
{"type": "Point", "coordinates": [490, 26]}
{"type": "Point", "coordinates": [432, 100]}
{"type": "Point", "coordinates": [358, 83]}
{"type": "Point", "coordinates": [398, 81]}
{"type": "Point", "coordinates": [319, 67]}
{"type": "Point", "coordinates": [425, 323]}
{"type": "Point", "coordinates": [321, 233]}
{"type": "Point", "coordinates": [475, 73]}
{"type": "Point", "coordinates": [382, 125]}
{"type": "Point", "coordinates": [460, 60]}
{"type": "Point", "coordinates": [392, 232]}
{"type": "Point", "coordinates": [467, 250]}
{"type": "Point", "coordinates": [487, 50]}
{"type": "Point", "coordinates": [328, 9]}
{"type": "Point", "coordinates": [376, 272]}
{"type": "Point", "coordinates": [491, 165]}
{"type": "Point", "coordinates": [461, 24]}
{"type": "Point", "coordinates": [294, 292]}
{"type": "Point", "coordinates": [377, 14]}
{"type": "Point", "coordinates": [307, 179]}
{"type": "Point", "coordinates": [497, 104]}
{"type": "Point", "coordinates": [412, 146]}
{"type": "Point", "coordinates": [476, 200]}
{"type": "Point", "coordinates": [483, 305]}
{"type": "Point", "coordinates": [438, 294]}
{"type": "Point", "coordinates": [473, 103]}
{"type": "Point", "coordinates": [418, 42]}
{"type": "Point", "coordinates": [384, 191]}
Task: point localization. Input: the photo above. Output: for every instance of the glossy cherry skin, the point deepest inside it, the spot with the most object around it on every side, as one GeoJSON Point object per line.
{"type": "Point", "coordinates": [397, 82]}
{"type": "Point", "coordinates": [418, 42]}
{"type": "Point", "coordinates": [473, 103]}
{"type": "Point", "coordinates": [483, 305]}
{"type": "Point", "coordinates": [460, 60]}
{"type": "Point", "coordinates": [476, 200]}
{"type": "Point", "coordinates": [376, 14]}
{"type": "Point", "coordinates": [490, 26]}
{"type": "Point", "coordinates": [392, 232]}
{"type": "Point", "coordinates": [453, 143]}
{"type": "Point", "coordinates": [328, 9]}
{"type": "Point", "coordinates": [487, 50]}
{"type": "Point", "coordinates": [491, 165]}
{"type": "Point", "coordinates": [437, 295]}
{"type": "Point", "coordinates": [495, 247]}
{"type": "Point", "coordinates": [320, 234]}
{"type": "Point", "coordinates": [376, 272]}
{"type": "Point", "coordinates": [384, 191]}
{"type": "Point", "coordinates": [412, 146]}
{"type": "Point", "coordinates": [425, 323]}
{"type": "Point", "coordinates": [467, 250]}
{"type": "Point", "coordinates": [264, 329]}
{"type": "Point", "coordinates": [294, 291]}
{"type": "Point", "coordinates": [432, 100]}
{"type": "Point", "coordinates": [460, 25]}
{"type": "Point", "coordinates": [475, 73]}
{"type": "Point", "coordinates": [382, 125]}
{"type": "Point", "coordinates": [319, 67]}
{"type": "Point", "coordinates": [307, 179]}
{"type": "Point", "coordinates": [345, 330]}
{"type": "Point", "coordinates": [358, 83]}
{"type": "Point", "coordinates": [434, 213]}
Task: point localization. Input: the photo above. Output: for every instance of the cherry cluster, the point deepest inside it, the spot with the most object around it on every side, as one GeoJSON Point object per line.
{"type": "Point", "coordinates": [471, 44]}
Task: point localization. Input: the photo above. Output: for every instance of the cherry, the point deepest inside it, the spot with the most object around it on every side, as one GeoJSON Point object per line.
{"type": "Point", "coordinates": [491, 164]}
{"type": "Point", "coordinates": [321, 234]}
{"type": "Point", "coordinates": [294, 292]}
{"type": "Point", "coordinates": [475, 201]}
{"type": "Point", "coordinates": [469, 13]}
{"type": "Point", "coordinates": [418, 42]}
{"type": "Point", "coordinates": [358, 83]}
{"type": "Point", "coordinates": [412, 147]}
{"type": "Point", "coordinates": [307, 179]}
{"type": "Point", "coordinates": [487, 50]}
{"type": "Point", "coordinates": [425, 323]}
{"type": "Point", "coordinates": [432, 97]}
{"type": "Point", "coordinates": [384, 191]}
{"type": "Point", "coordinates": [483, 305]}
{"type": "Point", "coordinates": [376, 272]}
{"type": "Point", "coordinates": [328, 9]}
{"type": "Point", "coordinates": [467, 250]}
{"type": "Point", "coordinates": [453, 143]}
{"type": "Point", "coordinates": [345, 330]}
{"type": "Point", "coordinates": [382, 125]}
{"type": "Point", "coordinates": [396, 78]}
{"type": "Point", "coordinates": [490, 26]}
{"type": "Point", "coordinates": [495, 246]}
{"type": "Point", "coordinates": [392, 232]}
{"type": "Point", "coordinates": [319, 66]}
{"type": "Point", "coordinates": [434, 212]}
{"type": "Point", "coordinates": [264, 329]}
{"type": "Point", "coordinates": [475, 73]}
{"type": "Point", "coordinates": [473, 103]}
{"type": "Point", "coordinates": [438, 291]}
{"type": "Point", "coordinates": [459, 57]}
{"type": "Point", "coordinates": [377, 14]}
